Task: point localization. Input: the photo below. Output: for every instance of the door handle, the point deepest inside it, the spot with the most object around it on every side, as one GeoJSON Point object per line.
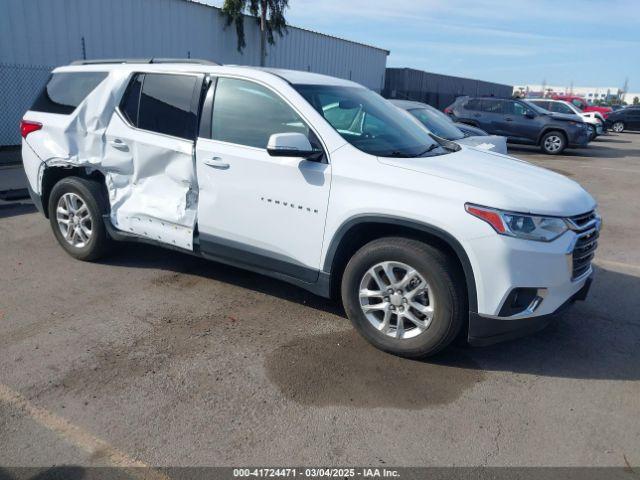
{"type": "Point", "coordinates": [119, 144]}
{"type": "Point", "coordinates": [508, 119]}
{"type": "Point", "coordinates": [217, 162]}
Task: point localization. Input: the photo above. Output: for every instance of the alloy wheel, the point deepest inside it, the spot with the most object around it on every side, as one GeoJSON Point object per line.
{"type": "Point", "coordinates": [74, 220]}
{"type": "Point", "coordinates": [553, 143]}
{"type": "Point", "coordinates": [618, 127]}
{"type": "Point", "coordinates": [396, 300]}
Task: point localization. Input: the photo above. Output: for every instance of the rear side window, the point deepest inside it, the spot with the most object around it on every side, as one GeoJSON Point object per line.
{"type": "Point", "coordinates": [168, 105]}
{"type": "Point", "coordinates": [66, 90]}
{"type": "Point", "coordinates": [560, 108]}
{"type": "Point", "coordinates": [163, 103]}
{"type": "Point", "coordinates": [495, 106]}
{"type": "Point", "coordinates": [131, 100]}
{"type": "Point", "coordinates": [473, 104]}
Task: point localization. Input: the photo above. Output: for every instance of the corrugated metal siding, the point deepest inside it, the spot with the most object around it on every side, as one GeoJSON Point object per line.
{"type": "Point", "coordinates": [437, 90]}
{"type": "Point", "coordinates": [50, 32]}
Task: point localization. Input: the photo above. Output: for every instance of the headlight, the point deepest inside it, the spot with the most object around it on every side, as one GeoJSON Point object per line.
{"type": "Point", "coordinates": [528, 227]}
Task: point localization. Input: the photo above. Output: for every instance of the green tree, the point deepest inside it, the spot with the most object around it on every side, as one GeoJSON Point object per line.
{"type": "Point", "coordinates": [269, 15]}
{"type": "Point", "coordinates": [636, 100]}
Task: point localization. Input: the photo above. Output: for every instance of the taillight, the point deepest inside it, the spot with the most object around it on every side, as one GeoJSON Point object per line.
{"type": "Point", "coordinates": [27, 126]}
{"type": "Point", "coordinates": [448, 110]}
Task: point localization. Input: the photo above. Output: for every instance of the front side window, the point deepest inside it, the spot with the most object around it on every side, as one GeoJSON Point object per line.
{"type": "Point", "coordinates": [66, 90]}
{"type": "Point", "coordinates": [368, 122]}
{"type": "Point", "coordinates": [167, 104]}
{"type": "Point", "coordinates": [246, 113]}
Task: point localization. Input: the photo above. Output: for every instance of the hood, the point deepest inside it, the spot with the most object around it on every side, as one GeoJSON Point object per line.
{"type": "Point", "coordinates": [469, 130]}
{"type": "Point", "coordinates": [503, 182]}
{"type": "Point", "coordinates": [490, 143]}
{"type": "Point", "coordinates": [565, 116]}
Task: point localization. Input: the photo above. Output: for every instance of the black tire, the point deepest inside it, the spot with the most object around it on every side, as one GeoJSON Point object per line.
{"type": "Point", "coordinates": [91, 193]}
{"type": "Point", "coordinates": [553, 142]}
{"type": "Point", "coordinates": [618, 127]}
{"type": "Point", "coordinates": [592, 132]}
{"type": "Point", "coordinates": [440, 272]}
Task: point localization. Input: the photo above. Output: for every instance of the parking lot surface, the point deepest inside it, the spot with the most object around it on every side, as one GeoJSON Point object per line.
{"type": "Point", "coordinates": [159, 358]}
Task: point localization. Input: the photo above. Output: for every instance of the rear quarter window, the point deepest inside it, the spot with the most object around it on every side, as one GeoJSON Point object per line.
{"type": "Point", "coordinates": [66, 90]}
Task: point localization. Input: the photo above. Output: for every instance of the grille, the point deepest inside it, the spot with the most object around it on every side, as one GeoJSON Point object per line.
{"type": "Point", "coordinates": [581, 221]}
{"type": "Point", "coordinates": [584, 251]}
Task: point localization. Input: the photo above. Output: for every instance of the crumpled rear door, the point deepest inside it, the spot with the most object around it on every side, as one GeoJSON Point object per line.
{"type": "Point", "coordinates": [149, 158]}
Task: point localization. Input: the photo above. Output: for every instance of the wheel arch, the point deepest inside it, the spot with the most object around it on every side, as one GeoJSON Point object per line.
{"type": "Point", "coordinates": [53, 174]}
{"type": "Point", "coordinates": [360, 230]}
{"type": "Point", "coordinates": [548, 129]}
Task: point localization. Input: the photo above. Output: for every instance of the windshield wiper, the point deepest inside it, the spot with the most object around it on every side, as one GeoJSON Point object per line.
{"type": "Point", "coordinates": [431, 147]}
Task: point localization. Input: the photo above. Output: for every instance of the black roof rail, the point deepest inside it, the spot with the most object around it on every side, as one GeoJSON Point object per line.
{"type": "Point", "coordinates": [143, 60]}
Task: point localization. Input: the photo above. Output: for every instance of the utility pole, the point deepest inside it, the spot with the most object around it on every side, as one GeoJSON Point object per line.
{"type": "Point", "coordinates": [263, 33]}
{"type": "Point", "coordinates": [623, 92]}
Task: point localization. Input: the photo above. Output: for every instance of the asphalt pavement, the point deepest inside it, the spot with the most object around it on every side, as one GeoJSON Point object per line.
{"type": "Point", "coordinates": [152, 357]}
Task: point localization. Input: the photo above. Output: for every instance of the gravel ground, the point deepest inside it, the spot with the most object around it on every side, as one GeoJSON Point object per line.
{"type": "Point", "coordinates": [157, 357]}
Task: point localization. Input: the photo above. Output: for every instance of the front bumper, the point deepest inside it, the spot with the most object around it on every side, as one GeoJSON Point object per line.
{"type": "Point", "coordinates": [579, 138]}
{"type": "Point", "coordinates": [486, 330]}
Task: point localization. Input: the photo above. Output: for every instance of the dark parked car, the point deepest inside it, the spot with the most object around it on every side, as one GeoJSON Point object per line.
{"type": "Point", "coordinates": [626, 119]}
{"type": "Point", "coordinates": [521, 122]}
{"type": "Point", "coordinates": [441, 125]}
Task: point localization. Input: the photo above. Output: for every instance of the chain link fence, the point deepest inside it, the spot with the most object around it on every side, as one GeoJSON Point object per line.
{"type": "Point", "coordinates": [19, 86]}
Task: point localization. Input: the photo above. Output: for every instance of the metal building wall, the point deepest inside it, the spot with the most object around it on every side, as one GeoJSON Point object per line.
{"type": "Point", "coordinates": [437, 90]}
{"type": "Point", "coordinates": [37, 35]}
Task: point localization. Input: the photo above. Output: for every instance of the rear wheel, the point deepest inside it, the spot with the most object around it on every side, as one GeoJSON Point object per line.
{"type": "Point", "coordinates": [404, 296]}
{"type": "Point", "coordinates": [618, 127]}
{"type": "Point", "coordinates": [553, 143]}
{"type": "Point", "coordinates": [76, 206]}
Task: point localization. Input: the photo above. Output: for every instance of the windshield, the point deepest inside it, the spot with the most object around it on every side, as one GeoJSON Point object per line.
{"type": "Point", "coordinates": [437, 123]}
{"type": "Point", "coordinates": [369, 122]}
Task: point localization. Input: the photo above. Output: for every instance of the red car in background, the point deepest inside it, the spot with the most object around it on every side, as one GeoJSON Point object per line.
{"type": "Point", "coordinates": [583, 105]}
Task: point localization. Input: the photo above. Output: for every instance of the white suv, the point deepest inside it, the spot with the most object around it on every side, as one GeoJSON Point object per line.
{"type": "Point", "coordinates": [312, 180]}
{"type": "Point", "coordinates": [594, 120]}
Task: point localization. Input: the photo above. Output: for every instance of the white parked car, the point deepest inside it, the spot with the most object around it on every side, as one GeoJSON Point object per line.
{"type": "Point", "coordinates": [440, 124]}
{"type": "Point", "coordinates": [422, 239]}
{"type": "Point", "coordinates": [594, 120]}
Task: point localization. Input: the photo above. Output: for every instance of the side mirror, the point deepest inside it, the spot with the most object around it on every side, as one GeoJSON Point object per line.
{"type": "Point", "coordinates": [529, 114]}
{"type": "Point", "coordinates": [290, 145]}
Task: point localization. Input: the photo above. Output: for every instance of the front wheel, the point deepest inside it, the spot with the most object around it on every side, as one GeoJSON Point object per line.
{"type": "Point", "coordinates": [593, 133]}
{"type": "Point", "coordinates": [553, 143]}
{"type": "Point", "coordinates": [618, 127]}
{"type": "Point", "coordinates": [404, 296]}
{"type": "Point", "coordinates": [76, 206]}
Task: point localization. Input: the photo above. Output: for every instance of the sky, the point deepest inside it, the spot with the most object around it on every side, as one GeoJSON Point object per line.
{"type": "Point", "coordinates": [588, 42]}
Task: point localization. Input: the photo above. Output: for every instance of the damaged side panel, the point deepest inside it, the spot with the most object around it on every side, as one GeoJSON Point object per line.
{"type": "Point", "coordinates": [150, 177]}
